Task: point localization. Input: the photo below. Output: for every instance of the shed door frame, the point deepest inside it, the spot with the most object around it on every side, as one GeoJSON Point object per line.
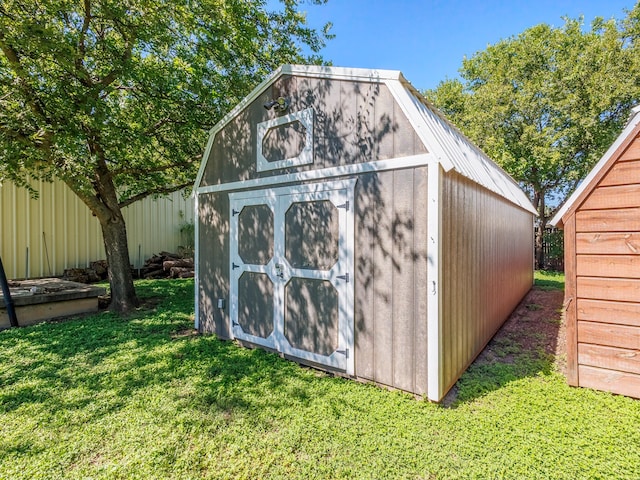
{"type": "Point", "coordinates": [341, 194]}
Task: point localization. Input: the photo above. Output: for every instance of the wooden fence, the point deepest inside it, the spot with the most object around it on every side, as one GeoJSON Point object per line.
{"type": "Point", "coordinates": [553, 248]}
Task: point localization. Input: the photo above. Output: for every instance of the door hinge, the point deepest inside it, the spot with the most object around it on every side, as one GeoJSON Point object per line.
{"type": "Point", "coordinates": [234, 266]}
{"type": "Point", "coordinates": [234, 212]}
{"type": "Point", "coordinates": [344, 277]}
{"type": "Point", "coordinates": [345, 205]}
{"type": "Point", "coordinates": [344, 352]}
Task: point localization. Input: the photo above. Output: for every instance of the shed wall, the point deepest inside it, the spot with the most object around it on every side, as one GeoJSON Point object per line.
{"type": "Point", "coordinates": [607, 285]}
{"type": "Point", "coordinates": [354, 122]}
{"type": "Point", "coordinates": [213, 263]}
{"type": "Point", "coordinates": [390, 275]}
{"type": "Point", "coordinates": [487, 268]}
{"type": "Point", "coordinates": [391, 279]}
{"type": "Point", "coordinates": [60, 232]}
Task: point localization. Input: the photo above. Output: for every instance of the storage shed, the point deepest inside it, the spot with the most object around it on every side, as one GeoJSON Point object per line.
{"type": "Point", "coordinates": [345, 223]}
{"type": "Point", "coordinates": [601, 223]}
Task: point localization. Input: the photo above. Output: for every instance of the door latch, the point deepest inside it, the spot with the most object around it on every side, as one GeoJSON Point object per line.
{"type": "Point", "coordinates": [279, 270]}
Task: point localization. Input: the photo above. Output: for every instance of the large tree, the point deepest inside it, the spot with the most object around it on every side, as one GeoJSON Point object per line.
{"type": "Point", "coordinates": [545, 104]}
{"type": "Point", "coordinates": [114, 97]}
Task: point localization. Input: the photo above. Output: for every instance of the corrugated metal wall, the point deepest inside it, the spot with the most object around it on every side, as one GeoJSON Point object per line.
{"type": "Point", "coordinates": [42, 237]}
{"type": "Point", "coordinates": [487, 265]}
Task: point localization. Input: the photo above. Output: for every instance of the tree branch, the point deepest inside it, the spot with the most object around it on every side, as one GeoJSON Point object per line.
{"type": "Point", "coordinates": [155, 191]}
{"type": "Point", "coordinates": [110, 77]}
{"type": "Point", "coordinates": [84, 76]}
{"type": "Point", "coordinates": [159, 168]}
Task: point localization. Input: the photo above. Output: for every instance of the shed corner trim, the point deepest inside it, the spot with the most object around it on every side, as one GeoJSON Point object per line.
{"type": "Point", "coordinates": [434, 275]}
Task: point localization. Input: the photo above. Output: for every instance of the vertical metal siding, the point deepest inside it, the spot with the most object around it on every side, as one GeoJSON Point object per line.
{"type": "Point", "coordinates": [487, 269]}
{"type": "Point", "coordinates": [59, 231]}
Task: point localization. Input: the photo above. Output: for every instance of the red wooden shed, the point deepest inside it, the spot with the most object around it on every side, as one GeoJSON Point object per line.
{"type": "Point", "coordinates": [601, 223]}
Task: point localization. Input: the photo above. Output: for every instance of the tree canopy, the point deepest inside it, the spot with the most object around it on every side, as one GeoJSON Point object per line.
{"type": "Point", "coordinates": [546, 104]}
{"type": "Point", "coordinates": [115, 97]}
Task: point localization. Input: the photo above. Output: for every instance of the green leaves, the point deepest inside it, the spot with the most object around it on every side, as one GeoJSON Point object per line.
{"type": "Point", "coordinates": [136, 83]}
{"type": "Point", "coordinates": [547, 103]}
{"type": "Point", "coordinates": [115, 97]}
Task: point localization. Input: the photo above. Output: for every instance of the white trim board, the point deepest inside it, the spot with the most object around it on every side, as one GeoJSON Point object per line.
{"type": "Point", "coordinates": [324, 173]}
{"type": "Point", "coordinates": [196, 262]}
{"type": "Point", "coordinates": [434, 294]}
{"type": "Point", "coordinates": [305, 157]}
{"type": "Point", "coordinates": [400, 93]}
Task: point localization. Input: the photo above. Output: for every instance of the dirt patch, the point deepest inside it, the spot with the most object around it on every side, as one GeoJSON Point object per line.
{"type": "Point", "coordinates": [534, 329]}
{"type": "Point", "coordinates": [535, 326]}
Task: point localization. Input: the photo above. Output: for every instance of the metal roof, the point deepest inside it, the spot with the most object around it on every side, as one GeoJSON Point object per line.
{"type": "Point", "coordinates": [455, 150]}
{"type": "Point", "coordinates": [634, 119]}
{"type": "Point", "coordinates": [451, 147]}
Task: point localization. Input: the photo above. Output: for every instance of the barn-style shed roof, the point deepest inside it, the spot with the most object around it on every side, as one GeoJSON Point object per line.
{"type": "Point", "coordinates": [441, 138]}
{"type": "Point", "coordinates": [600, 169]}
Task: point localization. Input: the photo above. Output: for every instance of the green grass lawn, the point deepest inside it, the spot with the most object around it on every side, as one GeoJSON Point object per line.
{"type": "Point", "coordinates": [104, 398]}
{"type": "Point", "coordinates": [549, 280]}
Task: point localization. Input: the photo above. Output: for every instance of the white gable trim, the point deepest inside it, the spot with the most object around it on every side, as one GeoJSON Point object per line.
{"type": "Point", "coordinates": [255, 93]}
{"type": "Point", "coordinates": [477, 166]}
{"type": "Point", "coordinates": [631, 125]}
{"type": "Point", "coordinates": [401, 96]}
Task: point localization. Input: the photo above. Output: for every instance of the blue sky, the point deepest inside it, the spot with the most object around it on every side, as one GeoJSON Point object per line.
{"type": "Point", "coordinates": [427, 40]}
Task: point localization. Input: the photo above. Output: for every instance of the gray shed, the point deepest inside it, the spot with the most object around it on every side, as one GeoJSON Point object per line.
{"type": "Point", "coordinates": [343, 222]}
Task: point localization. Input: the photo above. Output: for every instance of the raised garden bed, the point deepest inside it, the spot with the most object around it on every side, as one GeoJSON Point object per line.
{"type": "Point", "coordinates": [44, 299]}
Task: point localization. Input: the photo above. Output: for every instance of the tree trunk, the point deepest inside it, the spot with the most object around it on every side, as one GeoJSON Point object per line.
{"type": "Point", "coordinates": [104, 205]}
{"type": "Point", "coordinates": [123, 294]}
{"type": "Point", "coordinates": [538, 200]}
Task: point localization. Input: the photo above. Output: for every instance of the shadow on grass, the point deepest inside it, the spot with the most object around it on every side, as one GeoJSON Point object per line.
{"type": "Point", "coordinates": [108, 360]}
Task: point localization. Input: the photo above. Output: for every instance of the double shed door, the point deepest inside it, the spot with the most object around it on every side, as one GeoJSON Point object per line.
{"type": "Point", "coordinates": [291, 271]}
